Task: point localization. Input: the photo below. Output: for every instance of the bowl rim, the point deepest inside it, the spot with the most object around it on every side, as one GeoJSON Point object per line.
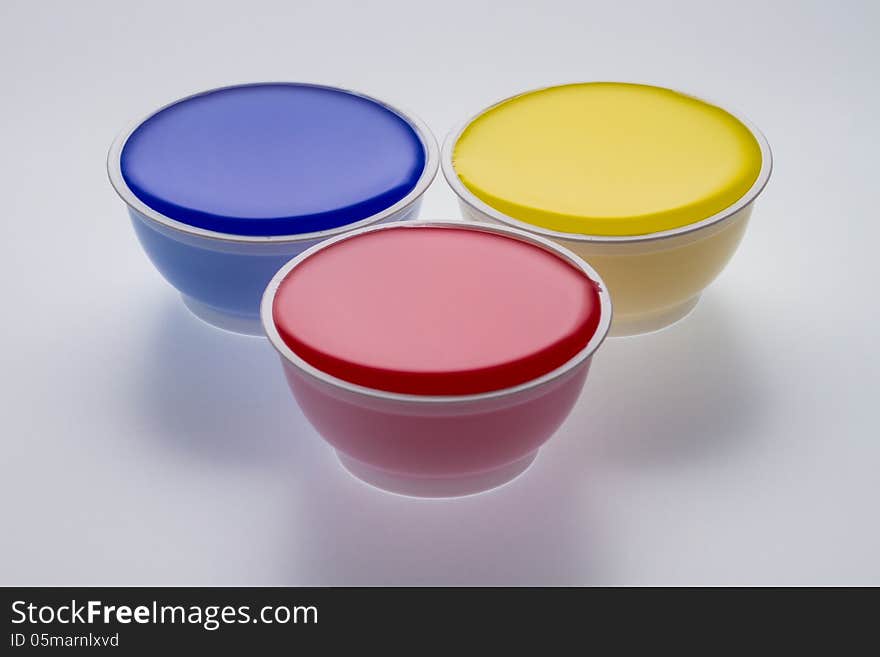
{"type": "Point", "coordinates": [471, 199]}
{"type": "Point", "coordinates": [599, 335]}
{"type": "Point", "coordinates": [429, 171]}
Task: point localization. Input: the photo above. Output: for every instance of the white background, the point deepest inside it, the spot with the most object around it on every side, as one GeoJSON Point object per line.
{"type": "Point", "coordinates": [140, 446]}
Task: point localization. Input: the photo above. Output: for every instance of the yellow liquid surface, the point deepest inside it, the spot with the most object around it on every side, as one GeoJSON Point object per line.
{"type": "Point", "coordinates": [607, 159]}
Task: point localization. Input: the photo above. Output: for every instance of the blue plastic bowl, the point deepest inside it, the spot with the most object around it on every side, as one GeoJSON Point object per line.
{"type": "Point", "coordinates": [225, 186]}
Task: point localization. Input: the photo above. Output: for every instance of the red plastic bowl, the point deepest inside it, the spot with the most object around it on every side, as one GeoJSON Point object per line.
{"type": "Point", "coordinates": [436, 358]}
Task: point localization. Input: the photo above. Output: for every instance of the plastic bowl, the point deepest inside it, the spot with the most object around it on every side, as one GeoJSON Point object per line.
{"type": "Point", "coordinates": [655, 278]}
{"type": "Point", "coordinates": [222, 275]}
{"type": "Point", "coordinates": [437, 445]}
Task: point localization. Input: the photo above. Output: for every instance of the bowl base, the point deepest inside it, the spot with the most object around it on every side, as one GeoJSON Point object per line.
{"type": "Point", "coordinates": [651, 322]}
{"type": "Point", "coordinates": [436, 487]}
{"type": "Point", "coordinates": [241, 324]}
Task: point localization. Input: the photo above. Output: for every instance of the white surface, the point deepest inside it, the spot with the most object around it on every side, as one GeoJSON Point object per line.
{"type": "Point", "coordinates": [143, 447]}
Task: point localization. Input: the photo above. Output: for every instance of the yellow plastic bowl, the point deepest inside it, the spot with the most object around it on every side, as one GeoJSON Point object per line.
{"type": "Point", "coordinates": [652, 187]}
